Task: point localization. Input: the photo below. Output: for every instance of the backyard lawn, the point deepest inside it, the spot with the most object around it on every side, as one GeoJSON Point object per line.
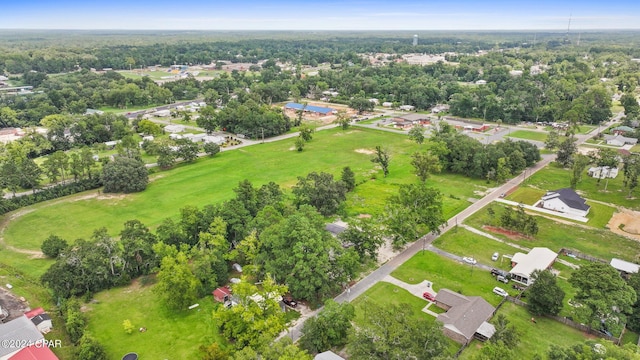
{"type": "Point", "coordinates": [535, 338]}
{"type": "Point", "coordinates": [450, 274]}
{"type": "Point", "coordinates": [528, 135]}
{"type": "Point", "coordinates": [169, 335]}
{"type": "Point", "coordinates": [463, 242]}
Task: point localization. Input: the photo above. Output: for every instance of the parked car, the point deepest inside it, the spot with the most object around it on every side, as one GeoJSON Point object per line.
{"type": "Point", "coordinates": [495, 256]}
{"type": "Point", "coordinates": [427, 295]}
{"type": "Point", "coordinates": [500, 291]}
{"type": "Point", "coordinates": [469, 260]}
{"type": "Point", "coordinates": [288, 300]}
{"type": "Point", "coordinates": [498, 272]}
{"type": "Point", "coordinates": [237, 267]}
{"type": "Point", "coordinates": [503, 279]}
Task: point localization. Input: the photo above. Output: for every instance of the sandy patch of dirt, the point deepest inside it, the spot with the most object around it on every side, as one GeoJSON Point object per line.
{"type": "Point", "coordinates": [508, 233]}
{"type": "Point", "coordinates": [12, 304]}
{"type": "Point", "coordinates": [631, 221]}
{"type": "Point", "coordinates": [386, 252]}
{"type": "Point", "coordinates": [364, 216]}
{"type": "Point", "coordinates": [365, 151]}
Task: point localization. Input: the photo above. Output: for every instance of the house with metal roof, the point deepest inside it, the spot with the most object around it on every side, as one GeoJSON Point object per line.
{"type": "Point", "coordinates": [309, 108]}
{"type": "Point", "coordinates": [16, 335]}
{"type": "Point", "coordinates": [539, 258]}
{"type": "Point", "coordinates": [466, 317]}
{"type": "Point", "coordinates": [328, 355]}
{"type": "Point", "coordinates": [624, 267]}
{"type": "Point", "coordinates": [619, 140]}
{"type": "Point", "coordinates": [566, 201]}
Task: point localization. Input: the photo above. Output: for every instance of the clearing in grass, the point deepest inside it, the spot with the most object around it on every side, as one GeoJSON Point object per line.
{"type": "Point", "coordinates": [528, 135]}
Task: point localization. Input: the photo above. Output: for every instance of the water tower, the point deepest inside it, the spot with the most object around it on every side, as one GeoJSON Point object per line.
{"type": "Point", "coordinates": [415, 40]}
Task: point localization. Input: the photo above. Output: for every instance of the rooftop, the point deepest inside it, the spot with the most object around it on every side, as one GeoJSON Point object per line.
{"type": "Point", "coordinates": [539, 258]}
{"type": "Point", "coordinates": [318, 109]}
{"type": "Point", "coordinates": [569, 197]}
{"type": "Point", "coordinates": [15, 332]}
{"type": "Point", "coordinates": [625, 266]}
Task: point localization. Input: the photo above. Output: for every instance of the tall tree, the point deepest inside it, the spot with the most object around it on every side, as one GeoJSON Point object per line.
{"type": "Point", "coordinates": [348, 178]}
{"type": "Point", "coordinates": [382, 158]}
{"type": "Point", "coordinates": [415, 210]}
{"type": "Point", "coordinates": [365, 235]}
{"type": "Point", "coordinates": [320, 191]}
{"type": "Point", "coordinates": [545, 296]}
{"type": "Point", "coordinates": [125, 175]}
{"type": "Point", "coordinates": [177, 285]}
{"type": "Point", "coordinates": [329, 328]}
{"type": "Point", "coordinates": [394, 332]}
{"type": "Point", "coordinates": [605, 296]}
{"type": "Point", "coordinates": [417, 134]}
{"type": "Point", "coordinates": [566, 150]}
{"type": "Point", "coordinates": [580, 163]}
{"type": "Point", "coordinates": [631, 170]}
{"type": "Point", "coordinates": [257, 318]}
{"type": "Point", "coordinates": [425, 164]}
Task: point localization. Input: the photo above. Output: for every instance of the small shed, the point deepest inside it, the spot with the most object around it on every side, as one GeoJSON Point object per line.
{"type": "Point", "coordinates": [222, 294]}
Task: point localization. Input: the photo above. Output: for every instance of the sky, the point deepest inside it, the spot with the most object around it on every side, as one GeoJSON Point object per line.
{"type": "Point", "coordinates": [320, 15]}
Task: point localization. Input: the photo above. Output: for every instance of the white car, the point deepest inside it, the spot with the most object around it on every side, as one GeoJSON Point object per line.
{"type": "Point", "coordinates": [500, 291]}
{"type": "Point", "coordinates": [495, 256]}
{"type": "Point", "coordinates": [469, 260]}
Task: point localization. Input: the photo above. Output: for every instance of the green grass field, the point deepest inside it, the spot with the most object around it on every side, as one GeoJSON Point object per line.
{"type": "Point", "coordinates": [169, 335]}
{"type": "Point", "coordinates": [210, 180]}
{"type": "Point", "coordinates": [463, 242]}
{"type": "Point", "coordinates": [600, 243]}
{"type": "Point", "coordinates": [534, 338]}
{"type": "Point", "coordinates": [528, 135]}
{"type": "Point", "coordinates": [446, 273]}
{"type": "Point", "coordinates": [526, 195]}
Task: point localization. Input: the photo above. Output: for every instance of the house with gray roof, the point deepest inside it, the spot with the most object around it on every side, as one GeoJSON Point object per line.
{"type": "Point", "coordinates": [619, 140]}
{"type": "Point", "coordinates": [466, 317]}
{"type": "Point", "coordinates": [17, 334]}
{"type": "Point", "coordinates": [565, 201]}
{"type": "Point", "coordinates": [624, 267]}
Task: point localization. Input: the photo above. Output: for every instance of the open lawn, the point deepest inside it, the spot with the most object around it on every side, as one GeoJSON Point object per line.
{"type": "Point", "coordinates": [463, 242]}
{"type": "Point", "coordinates": [526, 195]}
{"type": "Point", "coordinates": [585, 129]}
{"type": "Point", "coordinates": [528, 135]}
{"type": "Point", "coordinates": [169, 335]}
{"type": "Point", "coordinates": [211, 180]}
{"type": "Point", "coordinates": [556, 235]}
{"type": "Point", "coordinates": [534, 338]}
{"type": "Point", "coordinates": [446, 273]}
{"type": "Point", "coordinates": [552, 178]}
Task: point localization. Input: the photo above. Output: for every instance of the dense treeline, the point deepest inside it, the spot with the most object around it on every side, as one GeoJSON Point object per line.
{"type": "Point", "coordinates": [461, 154]}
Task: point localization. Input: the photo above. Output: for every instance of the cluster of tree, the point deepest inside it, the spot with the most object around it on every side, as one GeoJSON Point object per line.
{"type": "Point", "coordinates": [393, 332]}
{"type": "Point", "coordinates": [86, 346]}
{"type": "Point", "coordinates": [464, 155]}
{"type": "Point", "coordinates": [87, 267]}
{"type": "Point", "coordinates": [593, 350]}
{"type": "Point", "coordinates": [520, 221]}
{"type": "Point", "coordinates": [605, 297]}
{"type": "Point", "coordinates": [545, 296]}
{"type": "Point", "coordinates": [503, 342]}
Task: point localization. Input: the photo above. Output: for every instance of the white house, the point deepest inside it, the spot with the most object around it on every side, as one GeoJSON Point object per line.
{"type": "Point", "coordinates": [213, 139]}
{"type": "Point", "coordinates": [624, 267]}
{"type": "Point", "coordinates": [387, 104]}
{"type": "Point", "coordinates": [481, 82]}
{"type": "Point", "coordinates": [603, 172]}
{"type": "Point", "coordinates": [539, 258]}
{"type": "Point", "coordinates": [406, 107]}
{"type": "Point", "coordinates": [619, 140]}
{"type": "Point", "coordinates": [162, 113]}
{"type": "Point", "coordinates": [566, 201]}
{"type": "Point", "coordinates": [174, 128]}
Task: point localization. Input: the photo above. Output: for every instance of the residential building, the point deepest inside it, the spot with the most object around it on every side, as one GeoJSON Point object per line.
{"type": "Point", "coordinates": [565, 201]}
{"type": "Point", "coordinates": [16, 335]}
{"type": "Point", "coordinates": [624, 267]}
{"type": "Point", "coordinates": [466, 317]}
{"type": "Point", "coordinates": [539, 258]}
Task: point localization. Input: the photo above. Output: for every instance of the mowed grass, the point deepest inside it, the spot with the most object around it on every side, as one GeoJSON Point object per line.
{"type": "Point", "coordinates": [449, 274]}
{"type": "Point", "coordinates": [555, 235]}
{"type": "Point", "coordinates": [526, 195]}
{"type": "Point", "coordinates": [169, 335]}
{"type": "Point", "coordinates": [534, 338]}
{"type": "Point", "coordinates": [211, 180]}
{"type": "Point", "coordinates": [528, 135]}
{"type": "Point", "coordinates": [552, 178]}
{"type": "Point", "coordinates": [463, 242]}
